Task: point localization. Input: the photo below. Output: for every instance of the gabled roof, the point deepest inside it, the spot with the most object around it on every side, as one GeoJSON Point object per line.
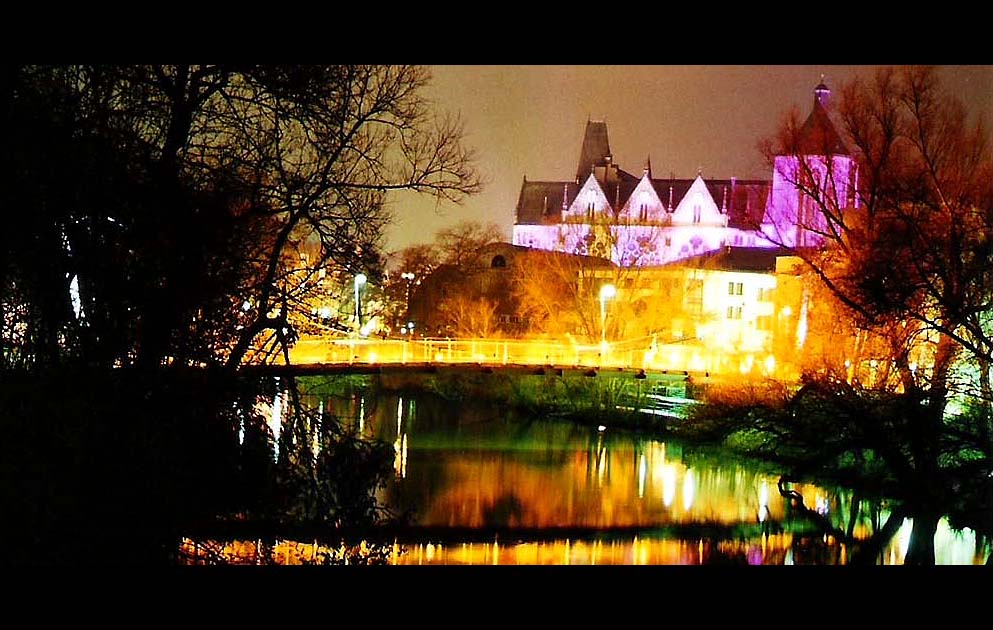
{"type": "Point", "coordinates": [595, 149]}
{"type": "Point", "coordinates": [818, 135]}
{"type": "Point", "coordinates": [541, 202]}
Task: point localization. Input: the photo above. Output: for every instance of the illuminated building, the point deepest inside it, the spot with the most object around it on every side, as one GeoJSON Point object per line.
{"type": "Point", "coordinates": [647, 221]}
{"type": "Point", "coordinates": [699, 264]}
{"type": "Point", "coordinates": [733, 310]}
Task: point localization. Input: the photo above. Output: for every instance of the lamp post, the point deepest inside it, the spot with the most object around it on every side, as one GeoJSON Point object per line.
{"type": "Point", "coordinates": [409, 277]}
{"type": "Point", "coordinates": [607, 291]}
{"type": "Point", "coordinates": [359, 281]}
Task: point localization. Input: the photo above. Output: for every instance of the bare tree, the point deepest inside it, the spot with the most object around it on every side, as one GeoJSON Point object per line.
{"type": "Point", "coordinates": [190, 189]}
{"type": "Point", "coordinates": [459, 245]}
{"type": "Point", "coordinates": [906, 250]}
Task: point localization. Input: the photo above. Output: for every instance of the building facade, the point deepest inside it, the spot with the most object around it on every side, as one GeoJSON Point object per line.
{"type": "Point", "coordinates": [647, 221]}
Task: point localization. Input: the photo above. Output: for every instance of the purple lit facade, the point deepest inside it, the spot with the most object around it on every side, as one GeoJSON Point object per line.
{"type": "Point", "coordinates": [645, 221]}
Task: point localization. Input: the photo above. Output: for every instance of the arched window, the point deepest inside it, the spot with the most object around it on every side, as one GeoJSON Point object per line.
{"type": "Point", "coordinates": [499, 262]}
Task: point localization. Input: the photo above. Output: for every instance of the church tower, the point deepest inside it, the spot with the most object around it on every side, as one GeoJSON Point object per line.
{"type": "Point", "coordinates": [814, 160]}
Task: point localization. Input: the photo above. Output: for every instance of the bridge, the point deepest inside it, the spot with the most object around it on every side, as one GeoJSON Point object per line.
{"type": "Point", "coordinates": [631, 354]}
{"type": "Point", "coordinates": [692, 356]}
{"type": "Point", "coordinates": [634, 359]}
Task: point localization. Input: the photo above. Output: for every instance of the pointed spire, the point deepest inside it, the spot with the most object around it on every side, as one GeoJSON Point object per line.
{"type": "Point", "coordinates": [724, 203]}
{"type": "Point", "coordinates": [648, 166]}
{"type": "Point", "coordinates": [595, 149]}
{"type": "Point", "coordinates": [818, 135]}
{"type": "Point", "coordinates": [565, 197]}
{"type": "Point", "coordinates": [821, 94]}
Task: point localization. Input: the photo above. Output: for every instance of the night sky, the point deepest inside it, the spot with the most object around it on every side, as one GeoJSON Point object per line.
{"type": "Point", "coordinates": [529, 120]}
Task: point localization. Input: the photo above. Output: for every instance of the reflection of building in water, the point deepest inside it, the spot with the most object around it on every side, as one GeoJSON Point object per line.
{"type": "Point", "coordinates": [603, 486]}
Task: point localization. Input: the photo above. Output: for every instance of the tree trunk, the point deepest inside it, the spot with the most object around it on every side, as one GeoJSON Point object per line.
{"type": "Point", "coordinates": [868, 552]}
{"type": "Point", "coordinates": [921, 549]}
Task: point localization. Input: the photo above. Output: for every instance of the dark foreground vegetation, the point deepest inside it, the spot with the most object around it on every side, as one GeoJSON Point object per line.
{"type": "Point", "coordinates": [157, 221]}
{"type": "Point", "coordinates": [116, 467]}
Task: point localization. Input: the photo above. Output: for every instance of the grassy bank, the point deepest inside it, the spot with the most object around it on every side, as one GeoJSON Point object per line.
{"type": "Point", "coordinates": [589, 400]}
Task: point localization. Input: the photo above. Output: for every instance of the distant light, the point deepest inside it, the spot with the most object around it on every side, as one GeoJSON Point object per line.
{"type": "Point", "coordinates": [360, 279]}
{"type": "Point", "coordinates": [608, 291]}
{"type": "Point", "coordinates": [247, 306]}
{"type": "Point", "coordinates": [77, 304]}
{"type": "Point", "coordinates": [325, 312]}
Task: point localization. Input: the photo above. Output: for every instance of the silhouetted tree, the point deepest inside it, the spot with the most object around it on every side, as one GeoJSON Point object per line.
{"type": "Point", "coordinates": [171, 196]}
{"type": "Point", "coordinates": [908, 253]}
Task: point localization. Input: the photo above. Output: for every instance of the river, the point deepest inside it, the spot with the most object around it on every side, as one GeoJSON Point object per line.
{"type": "Point", "coordinates": [483, 488]}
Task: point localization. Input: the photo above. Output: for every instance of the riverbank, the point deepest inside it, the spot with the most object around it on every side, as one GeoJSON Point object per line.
{"type": "Point", "coordinates": [586, 397]}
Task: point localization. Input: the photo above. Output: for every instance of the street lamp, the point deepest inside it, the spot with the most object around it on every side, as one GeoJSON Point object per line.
{"type": "Point", "coordinates": [607, 291]}
{"type": "Point", "coordinates": [359, 281]}
{"type": "Point", "coordinates": [409, 277]}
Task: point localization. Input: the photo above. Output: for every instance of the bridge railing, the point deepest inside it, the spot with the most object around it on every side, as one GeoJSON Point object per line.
{"type": "Point", "coordinates": [484, 351]}
{"type": "Point", "coordinates": [691, 355]}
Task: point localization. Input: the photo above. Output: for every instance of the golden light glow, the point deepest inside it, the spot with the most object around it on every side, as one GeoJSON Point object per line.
{"type": "Point", "coordinates": [642, 474]}
{"type": "Point", "coordinates": [689, 489]}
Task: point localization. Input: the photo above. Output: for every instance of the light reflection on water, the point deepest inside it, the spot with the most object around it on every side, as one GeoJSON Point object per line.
{"type": "Point", "coordinates": [472, 468]}
{"type": "Point", "coordinates": [773, 549]}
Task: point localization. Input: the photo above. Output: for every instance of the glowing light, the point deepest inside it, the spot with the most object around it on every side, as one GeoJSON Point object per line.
{"type": "Point", "coordinates": [821, 504]}
{"type": "Point", "coordinates": [601, 428]}
{"type": "Point", "coordinates": [770, 365]}
{"type": "Point", "coordinates": [77, 304]}
{"type": "Point", "coordinates": [246, 306]}
{"type": "Point", "coordinates": [668, 484]}
{"type": "Point", "coordinates": [763, 501]}
{"type": "Point", "coordinates": [315, 447]}
{"type": "Point", "coordinates": [689, 489]}
{"type": "Point", "coordinates": [903, 537]}
{"type": "Point", "coordinates": [642, 474]}
{"type": "Point", "coordinates": [369, 326]}
{"type": "Point", "coordinates": [801, 327]}
{"type": "Point", "coordinates": [276, 420]}
{"type": "Point", "coordinates": [324, 312]}
{"type": "Point", "coordinates": [747, 364]}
